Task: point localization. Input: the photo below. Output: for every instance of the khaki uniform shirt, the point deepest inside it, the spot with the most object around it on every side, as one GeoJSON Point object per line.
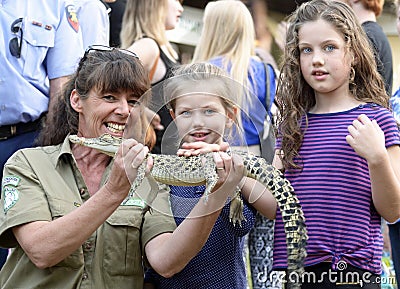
{"type": "Point", "coordinates": [113, 255]}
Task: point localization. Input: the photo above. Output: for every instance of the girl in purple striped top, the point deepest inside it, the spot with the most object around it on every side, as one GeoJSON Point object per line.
{"type": "Point", "coordinates": [338, 145]}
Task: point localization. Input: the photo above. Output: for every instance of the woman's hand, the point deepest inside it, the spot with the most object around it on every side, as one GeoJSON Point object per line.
{"type": "Point", "coordinates": [196, 148]}
{"type": "Point", "coordinates": [230, 170]}
{"type": "Point", "coordinates": [127, 160]}
{"type": "Point", "coordinates": [367, 139]}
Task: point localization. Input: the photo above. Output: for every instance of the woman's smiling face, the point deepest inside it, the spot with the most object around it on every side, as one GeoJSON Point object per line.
{"type": "Point", "coordinates": [103, 113]}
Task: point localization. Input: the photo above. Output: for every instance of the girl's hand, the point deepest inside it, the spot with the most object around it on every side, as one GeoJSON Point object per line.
{"type": "Point", "coordinates": [367, 139]}
{"type": "Point", "coordinates": [230, 170]}
{"type": "Point", "coordinates": [196, 148]}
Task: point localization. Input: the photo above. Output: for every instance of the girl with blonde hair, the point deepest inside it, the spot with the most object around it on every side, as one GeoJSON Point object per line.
{"type": "Point", "coordinates": [228, 34]}
{"type": "Point", "coordinates": [144, 27]}
{"type": "Point", "coordinates": [228, 41]}
{"type": "Point", "coordinates": [205, 124]}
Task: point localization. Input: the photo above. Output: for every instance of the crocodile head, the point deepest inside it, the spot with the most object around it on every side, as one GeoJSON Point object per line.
{"type": "Point", "coordinates": [106, 143]}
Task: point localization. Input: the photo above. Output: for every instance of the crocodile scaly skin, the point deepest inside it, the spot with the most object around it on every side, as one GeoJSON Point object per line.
{"type": "Point", "coordinates": [191, 171]}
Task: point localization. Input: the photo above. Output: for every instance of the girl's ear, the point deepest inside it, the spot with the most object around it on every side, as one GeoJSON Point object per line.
{"type": "Point", "coordinates": [231, 117]}
{"type": "Point", "coordinates": [172, 113]}
{"type": "Point", "coordinates": [354, 58]}
{"type": "Point", "coordinates": [75, 100]}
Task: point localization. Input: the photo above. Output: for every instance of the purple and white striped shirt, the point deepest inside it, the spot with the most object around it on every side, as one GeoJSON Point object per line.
{"type": "Point", "coordinates": [334, 190]}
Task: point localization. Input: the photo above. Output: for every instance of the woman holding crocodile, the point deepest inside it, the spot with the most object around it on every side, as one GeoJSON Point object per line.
{"type": "Point", "coordinates": [66, 211]}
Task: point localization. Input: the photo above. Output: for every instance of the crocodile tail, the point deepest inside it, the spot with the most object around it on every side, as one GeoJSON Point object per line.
{"type": "Point", "coordinates": [292, 214]}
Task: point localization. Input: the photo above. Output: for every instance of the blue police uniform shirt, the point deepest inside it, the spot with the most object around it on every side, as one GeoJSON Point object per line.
{"type": "Point", "coordinates": [51, 48]}
{"type": "Point", "coordinates": [94, 22]}
{"type": "Point", "coordinates": [253, 121]}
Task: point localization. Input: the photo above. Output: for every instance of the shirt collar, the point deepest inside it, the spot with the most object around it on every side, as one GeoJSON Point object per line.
{"type": "Point", "coordinates": [65, 149]}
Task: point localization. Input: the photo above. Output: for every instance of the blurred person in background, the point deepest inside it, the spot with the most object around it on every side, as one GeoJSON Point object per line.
{"type": "Point", "coordinates": [144, 27]}
{"type": "Point", "coordinates": [40, 46]}
{"type": "Point", "coordinates": [228, 41]}
{"type": "Point", "coordinates": [93, 16]}
{"type": "Point", "coordinates": [367, 12]}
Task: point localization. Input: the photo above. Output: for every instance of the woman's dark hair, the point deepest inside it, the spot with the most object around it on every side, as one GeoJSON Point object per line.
{"type": "Point", "coordinates": [112, 71]}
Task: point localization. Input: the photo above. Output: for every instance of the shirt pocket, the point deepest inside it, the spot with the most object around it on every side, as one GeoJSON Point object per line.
{"type": "Point", "coordinates": [122, 250]}
{"type": "Point", "coordinates": [61, 207]}
{"type": "Point", "coordinates": [38, 38]}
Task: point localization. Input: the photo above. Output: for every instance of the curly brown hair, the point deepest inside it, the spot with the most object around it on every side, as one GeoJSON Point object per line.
{"type": "Point", "coordinates": [295, 97]}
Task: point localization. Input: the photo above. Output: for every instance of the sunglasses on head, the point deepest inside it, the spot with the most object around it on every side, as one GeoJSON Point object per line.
{"type": "Point", "coordinates": [105, 49]}
{"type": "Point", "coordinates": [101, 48]}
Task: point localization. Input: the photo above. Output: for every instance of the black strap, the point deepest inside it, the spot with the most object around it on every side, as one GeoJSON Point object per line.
{"type": "Point", "coordinates": [267, 137]}
{"type": "Point", "coordinates": [267, 88]}
{"type": "Point", "coordinates": [8, 131]}
{"type": "Point", "coordinates": [108, 8]}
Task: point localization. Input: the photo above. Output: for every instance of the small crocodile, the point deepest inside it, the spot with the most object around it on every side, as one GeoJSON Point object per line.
{"type": "Point", "coordinates": [191, 171]}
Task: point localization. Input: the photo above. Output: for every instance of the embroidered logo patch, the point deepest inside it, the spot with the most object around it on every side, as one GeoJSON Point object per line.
{"type": "Point", "coordinates": [133, 202]}
{"type": "Point", "coordinates": [11, 196]}
{"type": "Point", "coordinates": [10, 180]}
{"type": "Point", "coordinates": [72, 18]}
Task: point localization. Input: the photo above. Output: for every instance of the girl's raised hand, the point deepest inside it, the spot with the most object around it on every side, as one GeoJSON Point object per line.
{"type": "Point", "coordinates": [366, 138]}
{"type": "Point", "coordinates": [196, 148]}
